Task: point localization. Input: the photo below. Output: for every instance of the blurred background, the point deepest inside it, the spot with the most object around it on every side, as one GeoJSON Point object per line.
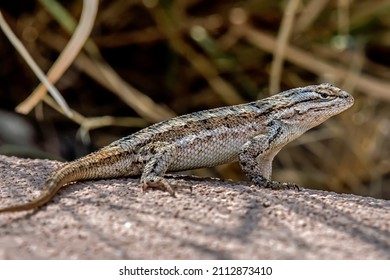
{"type": "Point", "coordinates": [133, 63]}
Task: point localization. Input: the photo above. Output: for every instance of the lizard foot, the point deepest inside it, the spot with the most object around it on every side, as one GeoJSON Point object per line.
{"type": "Point", "coordinates": [160, 183]}
{"type": "Point", "coordinates": [275, 185]}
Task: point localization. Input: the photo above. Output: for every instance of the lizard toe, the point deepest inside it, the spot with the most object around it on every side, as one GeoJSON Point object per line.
{"type": "Point", "coordinates": [275, 185]}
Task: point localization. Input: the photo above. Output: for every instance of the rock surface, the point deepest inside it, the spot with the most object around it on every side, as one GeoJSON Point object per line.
{"type": "Point", "coordinates": [113, 219]}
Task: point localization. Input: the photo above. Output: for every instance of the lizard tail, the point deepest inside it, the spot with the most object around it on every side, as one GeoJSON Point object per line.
{"type": "Point", "coordinates": [50, 190]}
{"type": "Point", "coordinates": [108, 163]}
{"type": "Point", "coordinates": [64, 175]}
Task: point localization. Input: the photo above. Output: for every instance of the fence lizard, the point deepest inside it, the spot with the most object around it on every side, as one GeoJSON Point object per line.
{"type": "Point", "coordinates": [252, 133]}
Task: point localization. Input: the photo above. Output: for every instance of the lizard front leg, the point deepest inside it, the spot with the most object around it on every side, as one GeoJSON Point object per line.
{"type": "Point", "coordinates": [160, 158]}
{"type": "Point", "coordinates": [256, 157]}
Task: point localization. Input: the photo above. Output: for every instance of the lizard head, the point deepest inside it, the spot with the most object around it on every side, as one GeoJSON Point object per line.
{"type": "Point", "coordinates": [309, 106]}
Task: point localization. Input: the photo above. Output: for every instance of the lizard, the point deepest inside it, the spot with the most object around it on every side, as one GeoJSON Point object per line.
{"type": "Point", "coordinates": [251, 133]}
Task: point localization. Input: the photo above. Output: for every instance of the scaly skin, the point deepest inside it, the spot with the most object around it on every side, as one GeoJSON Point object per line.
{"type": "Point", "coordinates": [252, 133]}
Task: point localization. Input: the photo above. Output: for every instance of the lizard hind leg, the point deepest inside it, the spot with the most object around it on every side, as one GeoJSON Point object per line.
{"type": "Point", "coordinates": [161, 156]}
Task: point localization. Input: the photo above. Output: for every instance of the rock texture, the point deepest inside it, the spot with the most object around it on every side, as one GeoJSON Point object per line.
{"type": "Point", "coordinates": [113, 219]}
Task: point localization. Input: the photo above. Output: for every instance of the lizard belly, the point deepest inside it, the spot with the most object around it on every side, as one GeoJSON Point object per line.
{"type": "Point", "coordinates": [197, 152]}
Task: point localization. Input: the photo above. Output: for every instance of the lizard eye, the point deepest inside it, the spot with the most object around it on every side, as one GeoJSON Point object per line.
{"type": "Point", "coordinates": [324, 95]}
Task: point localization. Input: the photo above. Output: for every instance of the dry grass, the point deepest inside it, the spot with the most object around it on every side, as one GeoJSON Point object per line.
{"type": "Point", "coordinates": [154, 59]}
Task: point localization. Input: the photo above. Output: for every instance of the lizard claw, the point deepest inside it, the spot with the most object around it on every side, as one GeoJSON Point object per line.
{"type": "Point", "coordinates": [289, 186]}
{"type": "Point", "coordinates": [275, 185]}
